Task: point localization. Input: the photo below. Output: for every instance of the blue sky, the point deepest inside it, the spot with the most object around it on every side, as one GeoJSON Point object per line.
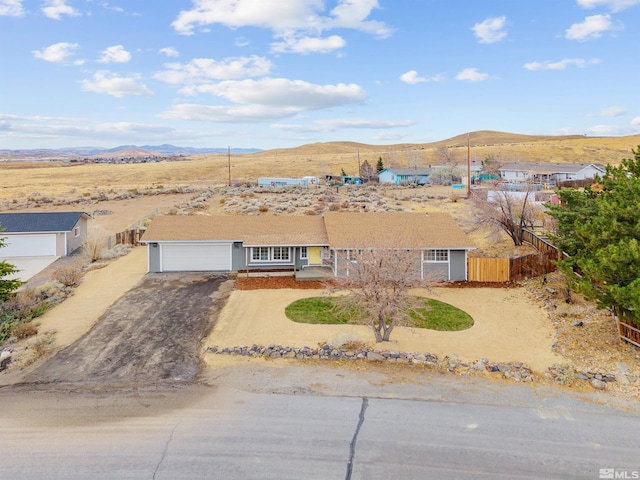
{"type": "Point", "coordinates": [275, 73]}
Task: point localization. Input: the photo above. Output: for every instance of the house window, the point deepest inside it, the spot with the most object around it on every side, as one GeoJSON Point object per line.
{"type": "Point", "coordinates": [281, 253]}
{"type": "Point", "coordinates": [438, 255]}
{"type": "Point", "coordinates": [76, 232]}
{"type": "Point", "coordinates": [270, 254]}
{"type": "Point", "coordinates": [260, 254]}
{"type": "Point", "coordinates": [304, 253]}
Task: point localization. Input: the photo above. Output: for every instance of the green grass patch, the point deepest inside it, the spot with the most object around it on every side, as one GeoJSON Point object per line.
{"type": "Point", "coordinates": [317, 310]}
{"type": "Point", "coordinates": [434, 315]}
{"type": "Point", "coordinates": [440, 316]}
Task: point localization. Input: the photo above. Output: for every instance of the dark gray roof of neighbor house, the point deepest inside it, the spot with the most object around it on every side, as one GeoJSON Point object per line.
{"type": "Point", "coordinates": [39, 222]}
{"type": "Point", "coordinates": [410, 171]}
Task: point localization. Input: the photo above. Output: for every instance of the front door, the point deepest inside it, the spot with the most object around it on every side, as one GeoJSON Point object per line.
{"type": "Point", "coordinates": [314, 256]}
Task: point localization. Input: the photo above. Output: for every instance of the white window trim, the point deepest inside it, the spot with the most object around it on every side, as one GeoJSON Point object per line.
{"type": "Point", "coordinates": [259, 260]}
{"type": "Point", "coordinates": [425, 255]}
{"type": "Point", "coordinates": [304, 253]}
{"type": "Point", "coordinates": [270, 255]}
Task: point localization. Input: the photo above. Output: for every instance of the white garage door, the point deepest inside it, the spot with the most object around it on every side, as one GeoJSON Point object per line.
{"type": "Point", "coordinates": [29, 245]}
{"type": "Point", "coordinates": [183, 257]}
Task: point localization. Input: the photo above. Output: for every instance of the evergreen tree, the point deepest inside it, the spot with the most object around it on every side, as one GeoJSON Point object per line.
{"type": "Point", "coordinates": [7, 286]}
{"type": "Point", "coordinates": [379, 165]}
{"type": "Point", "coordinates": [599, 230]}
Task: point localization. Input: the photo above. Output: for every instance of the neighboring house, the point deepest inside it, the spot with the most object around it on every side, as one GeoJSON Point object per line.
{"type": "Point", "coordinates": [293, 243]}
{"type": "Point", "coordinates": [548, 173]}
{"type": "Point", "coordinates": [43, 234]}
{"type": "Point", "coordinates": [287, 182]}
{"type": "Point", "coordinates": [405, 176]}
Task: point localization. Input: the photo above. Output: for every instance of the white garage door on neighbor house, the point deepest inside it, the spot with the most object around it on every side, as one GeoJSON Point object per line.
{"type": "Point", "coordinates": [29, 245]}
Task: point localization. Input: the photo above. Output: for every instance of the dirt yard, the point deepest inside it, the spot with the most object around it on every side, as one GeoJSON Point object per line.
{"type": "Point", "coordinates": [151, 335]}
{"type": "Point", "coordinates": [509, 326]}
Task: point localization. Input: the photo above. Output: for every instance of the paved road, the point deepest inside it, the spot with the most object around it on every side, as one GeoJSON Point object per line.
{"type": "Point", "coordinates": [226, 432]}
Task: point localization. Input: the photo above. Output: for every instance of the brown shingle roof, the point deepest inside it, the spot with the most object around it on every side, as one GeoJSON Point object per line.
{"type": "Point", "coordinates": [397, 229]}
{"type": "Point", "coordinates": [252, 230]}
{"type": "Point", "coordinates": [336, 229]}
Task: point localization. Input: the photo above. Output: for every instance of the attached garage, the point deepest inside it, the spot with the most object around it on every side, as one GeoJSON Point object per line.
{"type": "Point", "coordinates": [195, 257]}
{"type": "Point", "coordinates": [43, 245]}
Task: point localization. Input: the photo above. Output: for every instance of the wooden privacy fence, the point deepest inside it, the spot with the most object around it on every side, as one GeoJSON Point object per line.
{"type": "Point", "coordinates": [129, 237]}
{"type": "Point", "coordinates": [485, 269]}
{"type": "Point", "coordinates": [628, 332]}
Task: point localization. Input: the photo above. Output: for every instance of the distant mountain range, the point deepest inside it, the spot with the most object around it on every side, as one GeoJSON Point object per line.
{"type": "Point", "coordinates": [165, 150]}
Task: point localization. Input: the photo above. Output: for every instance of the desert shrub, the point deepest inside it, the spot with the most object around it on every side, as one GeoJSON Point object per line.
{"type": "Point", "coordinates": [563, 373]}
{"type": "Point", "coordinates": [334, 207]}
{"type": "Point", "coordinates": [68, 275]}
{"type": "Point", "coordinates": [24, 330]}
{"type": "Point", "coordinates": [310, 212]}
{"type": "Point", "coordinates": [115, 252]}
{"type": "Point", "coordinates": [263, 208]}
{"type": "Point", "coordinates": [51, 291]}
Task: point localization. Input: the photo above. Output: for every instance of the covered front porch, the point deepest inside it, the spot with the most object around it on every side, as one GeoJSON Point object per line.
{"type": "Point", "coordinates": [314, 273]}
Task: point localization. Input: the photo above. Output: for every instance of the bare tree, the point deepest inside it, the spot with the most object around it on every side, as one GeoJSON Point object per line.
{"type": "Point", "coordinates": [367, 172]}
{"type": "Point", "coordinates": [377, 283]}
{"type": "Point", "coordinates": [491, 165]}
{"type": "Point", "coordinates": [448, 169]}
{"type": "Point", "coordinates": [507, 211]}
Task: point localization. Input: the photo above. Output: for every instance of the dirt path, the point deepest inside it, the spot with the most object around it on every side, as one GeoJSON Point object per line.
{"type": "Point", "coordinates": [151, 335]}
{"type": "Point", "coordinates": [99, 289]}
{"type": "Point", "coordinates": [509, 326]}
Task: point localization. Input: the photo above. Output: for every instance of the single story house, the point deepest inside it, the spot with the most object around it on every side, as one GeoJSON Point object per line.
{"type": "Point", "coordinates": [549, 173]}
{"type": "Point", "coordinates": [287, 182]}
{"type": "Point", "coordinates": [43, 233]}
{"type": "Point", "coordinates": [294, 243]}
{"type": "Point", "coordinates": [405, 176]}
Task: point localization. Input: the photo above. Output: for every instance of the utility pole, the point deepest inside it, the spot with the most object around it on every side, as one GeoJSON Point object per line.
{"type": "Point", "coordinates": [468, 166]}
{"type": "Point", "coordinates": [229, 162]}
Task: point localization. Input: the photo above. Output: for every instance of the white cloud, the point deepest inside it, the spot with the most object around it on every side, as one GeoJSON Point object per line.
{"type": "Point", "coordinates": [61, 129]}
{"type": "Point", "coordinates": [309, 44]}
{"type": "Point", "coordinates": [282, 92]}
{"type": "Point", "coordinates": [490, 30]}
{"type": "Point", "coordinates": [57, 53]}
{"type": "Point", "coordinates": [11, 8]}
{"type": "Point", "coordinates": [114, 54]}
{"type": "Point", "coordinates": [613, 5]}
{"type": "Point", "coordinates": [56, 8]}
{"type": "Point", "coordinates": [265, 99]}
{"type": "Point", "coordinates": [472, 75]}
{"type": "Point", "coordinates": [112, 84]}
{"type": "Point", "coordinates": [592, 27]}
{"type": "Point", "coordinates": [635, 122]}
{"type": "Point", "coordinates": [412, 78]}
{"type": "Point", "coordinates": [290, 17]}
{"type": "Point", "coordinates": [169, 52]}
{"type": "Point", "coordinates": [201, 70]}
{"type": "Point", "coordinates": [561, 64]}
{"type": "Point", "coordinates": [231, 114]}
{"type": "Point", "coordinates": [615, 111]}
{"type": "Point", "coordinates": [341, 123]}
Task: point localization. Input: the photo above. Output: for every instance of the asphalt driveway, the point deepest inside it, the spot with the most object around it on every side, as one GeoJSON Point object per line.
{"type": "Point", "coordinates": [151, 335]}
